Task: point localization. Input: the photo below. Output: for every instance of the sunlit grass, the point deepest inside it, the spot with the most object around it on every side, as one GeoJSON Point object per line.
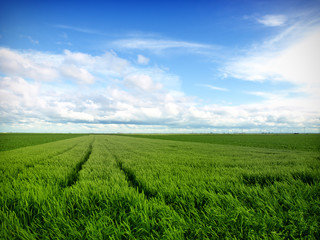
{"type": "Point", "coordinates": [117, 187]}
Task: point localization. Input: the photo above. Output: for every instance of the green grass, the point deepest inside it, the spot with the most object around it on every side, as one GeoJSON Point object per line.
{"type": "Point", "coordinates": [10, 141]}
{"type": "Point", "coordinates": [305, 142]}
{"type": "Point", "coordinates": [118, 187]}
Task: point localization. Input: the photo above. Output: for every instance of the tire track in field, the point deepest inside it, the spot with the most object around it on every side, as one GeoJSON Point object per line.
{"type": "Point", "coordinates": [141, 188]}
{"type": "Point", "coordinates": [38, 162]}
{"type": "Point", "coordinates": [58, 153]}
{"type": "Point", "coordinates": [74, 176]}
{"type": "Point", "coordinates": [131, 178]}
{"type": "Point", "coordinates": [133, 181]}
{"type": "Point", "coordinates": [199, 203]}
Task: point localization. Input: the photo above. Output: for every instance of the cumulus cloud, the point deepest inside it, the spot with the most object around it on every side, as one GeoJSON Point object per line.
{"type": "Point", "coordinates": [272, 20]}
{"type": "Point", "coordinates": [107, 64]}
{"type": "Point", "coordinates": [81, 67]}
{"type": "Point", "coordinates": [25, 97]}
{"type": "Point", "coordinates": [142, 82]}
{"type": "Point", "coordinates": [17, 93]}
{"type": "Point", "coordinates": [23, 103]}
{"type": "Point", "coordinates": [139, 98]}
{"type": "Point", "coordinates": [23, 65]}
{"type": "Point", "coordinates": [79, 74]}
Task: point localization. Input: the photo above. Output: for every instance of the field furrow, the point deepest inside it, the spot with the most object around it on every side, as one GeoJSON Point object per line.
{"type": "Point", "coordinates": [24, 198]}
{"type": "Point", "coordinates": [102, 204]}
{"type": "Point", "coordinates": [74, 176]}
{"type": "Point", "coordinates": [131, 178]}
{"type": "Point", "coordinates": [211, 182]}
{"type": "Point", "coordinates": [118, 187]}
{"type": "Point", "coordinates": [15, 162]}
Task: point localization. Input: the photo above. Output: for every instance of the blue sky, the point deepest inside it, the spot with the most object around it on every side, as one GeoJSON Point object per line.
{"type": "Point", "coordinates": [159, 66]}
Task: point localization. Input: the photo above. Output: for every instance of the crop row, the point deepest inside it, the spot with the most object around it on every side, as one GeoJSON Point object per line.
{"type": "Point", "coordinates": [226, 192]}
{"type": "Point", "coordinates": [33, 177]}
{"type": "Point", "coordinates": [116, 187]}
{"type": "Point", "coordinates": [303, 142]}
{"type": "Point", "coordinates": [78, 193]}
{"type": "Point", "coordinates": [35, 160]}
{"type": "Point", "coordinates": [9, 141]}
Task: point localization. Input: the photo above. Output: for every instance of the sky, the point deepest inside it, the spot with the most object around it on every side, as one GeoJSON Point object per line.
{"type": "Point", "coordinates": [160, 66]}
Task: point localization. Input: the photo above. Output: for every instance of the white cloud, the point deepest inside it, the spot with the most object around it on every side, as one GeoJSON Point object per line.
{"type": "Point", "coordinates": [299, 63]}
{"type": "Point", "coordinates": [79, 74]}
{"type": "Point", "coordinates": [272, 20]}
{"type": "Point", "coordinates": [296, 64]}
{"type": "Point", "coordinates": [142, 82]}
{"type": "Point", "coordinates": [142, 98]}
{"type": "Point", "coordinates": [142, 59]}
{"type": "Point", "coordinates": [23, 65]}
{"type": "Point", "coordinates": [25, 103]}
{"type": "Point", "coordinates": [78, 58]}
{"type": "Point", "coordinates": [292, 58]}
{"type": "Point", "coordinates": [107, 64]}
{"type": "Point", "coordinates": [83, 68]}
{"type": "Point", "coordinates": [214, 87]}
{"type": "Point", "coordinates": [16, 93]}
{"type": "Point", "coordinates": [158, 45]}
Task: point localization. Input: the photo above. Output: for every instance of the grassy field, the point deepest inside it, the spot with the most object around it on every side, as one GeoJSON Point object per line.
{"type": "Point", "coordinates": [10, 141]}
{"type": "Point", "coordinates": [306, 142]}
{"type": "Point", "coordinates": [142, 187]}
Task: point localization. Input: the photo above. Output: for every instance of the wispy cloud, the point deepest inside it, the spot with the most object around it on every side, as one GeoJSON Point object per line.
{"type": "Point", "coordinates": [292, 59]}
{"type": "Point", "coordinates": [79, 29]}
{"type": "Point", "coordinates": [213, 87]}
{"type": "Point", "coordinates": [142, 59]}
{"type": "Point", "coordinates": [272, 20]}
{"type": "Point", "coordinates": [30, 39]}
{"type": "Point", "coordinates": [158, 45]}
{"type": "Point", "coordinates": [296, 64]}
{"type": "Point", "coordinates": [64, 43]}
{"type": "Point", "coordinates": [290, 56]}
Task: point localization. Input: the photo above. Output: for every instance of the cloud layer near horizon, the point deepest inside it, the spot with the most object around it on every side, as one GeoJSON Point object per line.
{"type": "Point", "coordinates": [109, 93]}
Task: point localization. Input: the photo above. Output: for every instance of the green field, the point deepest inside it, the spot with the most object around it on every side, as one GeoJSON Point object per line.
{"type": "Point", "coordinates": [306, 142]}
{"type": "Point", "coordinates": [10, 141]}
{"type": "Point", "coordinates": [176, 187]}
